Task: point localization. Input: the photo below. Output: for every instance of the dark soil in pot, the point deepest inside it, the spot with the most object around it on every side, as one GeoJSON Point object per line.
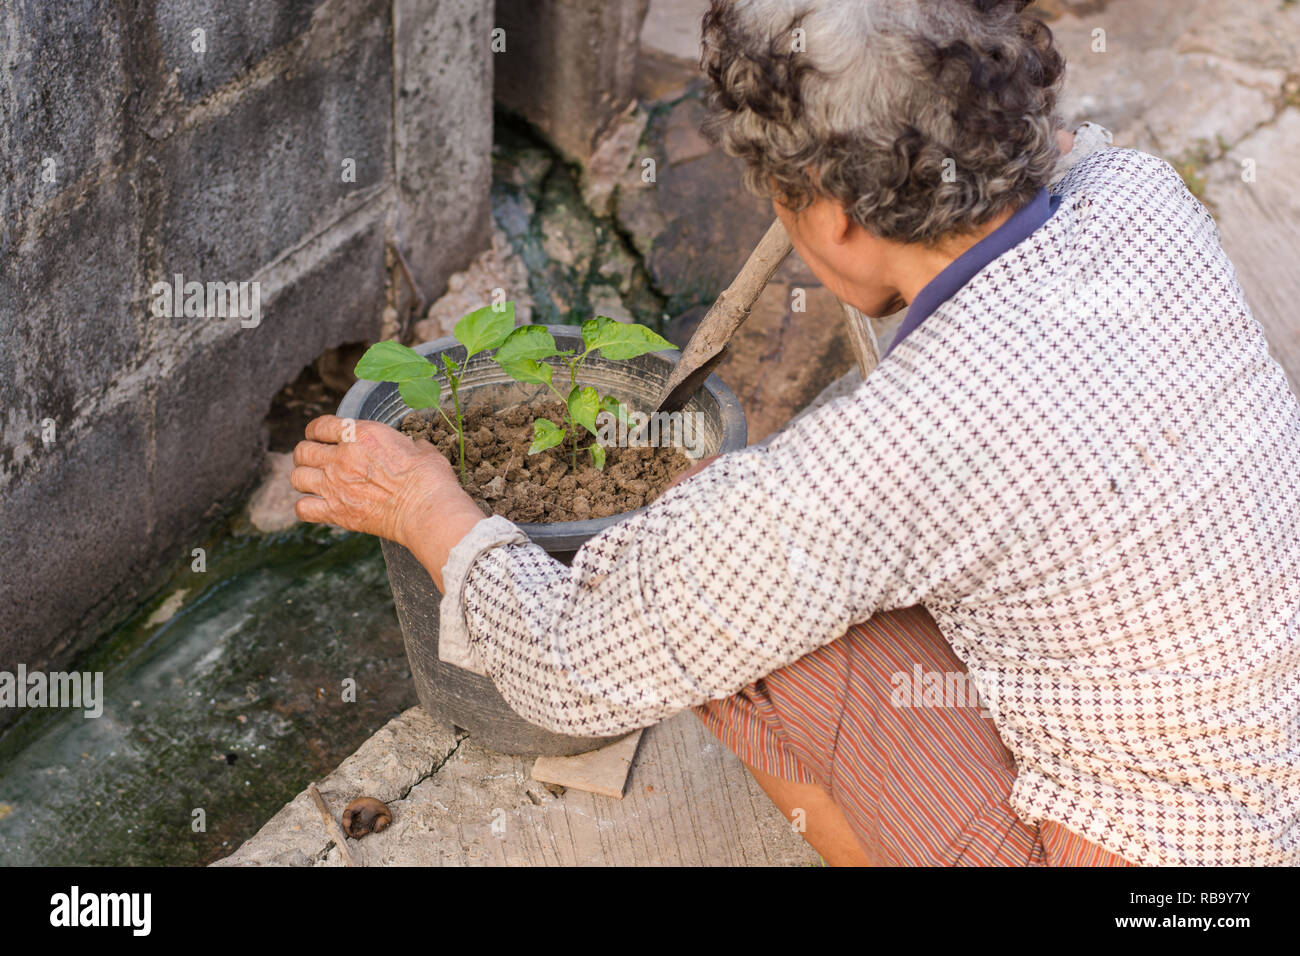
{"type": "Point", "coordinates": [504, 479]}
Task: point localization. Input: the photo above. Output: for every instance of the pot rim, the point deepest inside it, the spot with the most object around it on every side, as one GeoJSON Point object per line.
{"type": "Point", "coordinates": [558, 536]}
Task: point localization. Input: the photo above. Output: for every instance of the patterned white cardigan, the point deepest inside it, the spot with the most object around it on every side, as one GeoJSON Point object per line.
{"type": "Point", "coordinates": [1085, 464]}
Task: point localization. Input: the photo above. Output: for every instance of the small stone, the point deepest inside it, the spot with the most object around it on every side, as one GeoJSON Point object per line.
{"type": "Point", "coordinates": [605, 301]}
{"type": "Point", "coordinates": [272, 506]}
{"type": "Point", "coordinates": [498, 267]}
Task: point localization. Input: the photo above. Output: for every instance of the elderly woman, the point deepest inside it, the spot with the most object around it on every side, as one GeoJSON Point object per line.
{"type": "Point", "coordinates": [1074, 480]}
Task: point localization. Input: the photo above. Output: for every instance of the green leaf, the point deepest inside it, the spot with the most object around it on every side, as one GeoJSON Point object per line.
{"type": "Point", "coordinates": [519, 353]}
{"type": "Point", "coordinates": [450, 364]}
{"type": "Point", "coordinates": [421, 393]}
{"type": "Point", "coordinates": [528, 370]}
{"type": "Point", "coordinates": [598, 456]}
{"type": "Point", "coordinates": [392, 362]}
{"type": "Point", "coordinates": [621, 340]}
{"type": "Point", "coordinates": [526, 342]}
{"type": "Point", "coordinates": [485, 328]}
{"type": "Point", "coordinates": [584, 404]}
{"type": "Point", "coordinates": [546, 434]}
{"type": "Point", "coordinates": [616, 408]}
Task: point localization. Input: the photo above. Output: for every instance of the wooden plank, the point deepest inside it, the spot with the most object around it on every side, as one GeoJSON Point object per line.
{"type": "Point", "coordinates": [602, 771]}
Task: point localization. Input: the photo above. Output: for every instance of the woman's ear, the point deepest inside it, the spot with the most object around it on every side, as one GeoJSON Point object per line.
{"type": "Point", "coordinates": [841, 223]}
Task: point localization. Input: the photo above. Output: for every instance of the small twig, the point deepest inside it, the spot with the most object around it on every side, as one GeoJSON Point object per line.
{"type": "Point", "coordinates": [332, 826]}
{"type": "Point", "coordinates": [417, 306]}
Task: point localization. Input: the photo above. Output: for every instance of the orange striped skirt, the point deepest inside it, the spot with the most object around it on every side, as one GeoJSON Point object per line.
{"type": "Point", "coordinates": [922, 781]}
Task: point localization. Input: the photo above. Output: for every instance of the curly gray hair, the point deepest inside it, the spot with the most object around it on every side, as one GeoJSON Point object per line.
{"type": "Point", "coordinates": [924, 119]}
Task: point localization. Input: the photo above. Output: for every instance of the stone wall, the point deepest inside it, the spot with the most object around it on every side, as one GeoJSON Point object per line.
{"type": "Point", "coordinates": [568, 66]}
{"type": "Point", "coordinates": [290, 143]}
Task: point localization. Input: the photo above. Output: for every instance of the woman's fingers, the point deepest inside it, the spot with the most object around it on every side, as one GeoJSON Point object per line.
{"type": "Point", "coordinates": [313, 454]}
{"type": "Point", "coordinates": [327, 428]}
{"type": "Point", "coordinates": [366, 476]}
{"type": "Point", "coordinates": [310, 481]}
{"type": "Point", "coordinates": [312, 509]}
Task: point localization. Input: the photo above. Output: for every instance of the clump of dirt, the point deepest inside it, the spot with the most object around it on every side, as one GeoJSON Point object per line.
{"type": "Point", "coordinates": [504, 479]}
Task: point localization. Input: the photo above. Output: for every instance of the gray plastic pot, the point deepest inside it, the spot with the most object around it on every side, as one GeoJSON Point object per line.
{"type": "Point", "coordinates": [455, 697]}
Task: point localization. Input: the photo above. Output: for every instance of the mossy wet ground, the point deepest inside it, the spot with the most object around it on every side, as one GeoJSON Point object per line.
{"type": "Point", "coordinates": [579, 264]}
{"type": "Point", "coordinates": [229, 706]}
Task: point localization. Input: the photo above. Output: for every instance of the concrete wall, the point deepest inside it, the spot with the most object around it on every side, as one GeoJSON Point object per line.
{"type": "Point", "coordinates": [128, 157]}
{"type": "Point", "coordinates": [569, 66]}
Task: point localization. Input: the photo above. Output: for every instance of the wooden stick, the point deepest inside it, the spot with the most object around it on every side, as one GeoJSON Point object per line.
{"type": "Point", "coordinates": [863, 339]}
{"type": "Point", "coordinates": [715, 330]}
{"type": "Point", "coordinates": [332, 826]}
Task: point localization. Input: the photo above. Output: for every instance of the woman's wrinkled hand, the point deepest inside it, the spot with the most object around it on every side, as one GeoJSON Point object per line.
{"type": "Point", "coordinates": [369, 477]}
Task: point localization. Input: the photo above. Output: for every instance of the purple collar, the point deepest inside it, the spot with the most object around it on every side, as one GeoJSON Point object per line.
{"type": "Point", "coordinates": [1020, 226]}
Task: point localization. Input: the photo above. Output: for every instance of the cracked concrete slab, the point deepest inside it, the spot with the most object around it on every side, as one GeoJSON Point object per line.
{"type": "Point", "coordinates": [689, 802]}
{"type": "Point", "coordinates": [403, 752]}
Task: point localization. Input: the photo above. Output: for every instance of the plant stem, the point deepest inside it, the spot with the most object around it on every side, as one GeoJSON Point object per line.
{"type": "Point", "coordinates": [454, 381]}
{"type": "Point", "coordinates": [573, 423]}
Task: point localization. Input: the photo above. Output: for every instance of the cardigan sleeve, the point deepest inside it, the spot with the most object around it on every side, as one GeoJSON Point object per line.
{"type": "Point", "coordinates": [741, 569]}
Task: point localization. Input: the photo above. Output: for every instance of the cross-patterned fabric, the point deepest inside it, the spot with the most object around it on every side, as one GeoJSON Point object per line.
{"type": "Point", "coordinates": [1084, 464]}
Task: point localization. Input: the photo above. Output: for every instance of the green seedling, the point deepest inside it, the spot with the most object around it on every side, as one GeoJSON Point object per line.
{"type": "Point", "coordinates": [522, 357]}
{"type": "Point", "coordinates": [416, 377]}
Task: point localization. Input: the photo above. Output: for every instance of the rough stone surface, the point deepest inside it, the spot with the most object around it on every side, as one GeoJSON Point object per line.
{"type": "Point", "coordinates": [569, 66]}
{"type": "Point", "coordinates": [689, 801]}
{"type": "Point", "coordinates": [670, 50]}
{"type": "Point", "coordinates": [672, 28]}
{"type": "Point", "coordinates": [578, 263]}
{"type": "Point", "coordinates": [121, 433]}
{"type": "Point", "coordinates": [235, 37]}
{"type": "Point", "coordinates": [694, 222]}
{"type": "Point", "coordinates": [1175, 74]}
{"type": "Point", "coordinates": [405, 751]}
{"type": "Point", "coordinates": [443, 135]}
{"type": "Point", "coordinates": [227, 210]}
{"type": "Point", "coordinates": [70, 115]}
{"type": "Point", "coordinates": [497, 267]}
{"type": "Point", "coordinates": [614, 154]}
